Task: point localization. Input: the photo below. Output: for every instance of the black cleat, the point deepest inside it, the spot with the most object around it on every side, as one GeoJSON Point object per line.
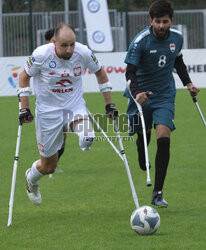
{"type": "Point", "coordinates": [157, 199]}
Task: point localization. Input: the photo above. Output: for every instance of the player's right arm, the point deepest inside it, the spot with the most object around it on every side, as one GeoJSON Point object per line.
{"type": "Point", "coordinates": [24, 82]}
{"type": "Point", "coordinates": [132, 60]}
{"type": "Point", "coordinates": [31, 68]}
{"type": "Point", "coordinates": [24, 91]}
{"type": "Point", "coordinates": [131, 75]}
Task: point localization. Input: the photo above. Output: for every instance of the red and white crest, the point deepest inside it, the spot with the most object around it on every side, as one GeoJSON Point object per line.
{"type": "Point", "coordinates": [172, 47]}
{"type": "Point", "coordinates": [77, 71]}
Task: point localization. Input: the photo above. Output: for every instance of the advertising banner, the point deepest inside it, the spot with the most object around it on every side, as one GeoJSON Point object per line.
{"type": "Point", "coordinates": [114, 65]}
{"type": "Point", "coordinates": [97, 22]}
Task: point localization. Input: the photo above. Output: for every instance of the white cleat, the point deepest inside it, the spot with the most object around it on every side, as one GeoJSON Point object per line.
{"type": "Point", "coordinates": [32, 190]}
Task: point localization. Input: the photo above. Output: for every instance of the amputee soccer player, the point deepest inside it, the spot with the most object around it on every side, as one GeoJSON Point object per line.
{"type": "Point", "coordinates": [151, 58]}
{"type": "Point", "coordinates": [57, 70]}
{"type": "Point", "coordinates": [49, 38]}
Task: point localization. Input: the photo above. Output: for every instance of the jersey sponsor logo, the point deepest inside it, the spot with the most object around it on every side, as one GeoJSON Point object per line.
{"type": "Point", "coordinates": [63, 81]}
{"type": "Point", "coordinates": [52, 64]}
{"type": "Point", "coordinates": [62, 90]}
{"type": "Point", "coordinates": [172, 47]}
{"type": "Point", "coordinates": [153, 51]}
{"type": "Point", "coordinates": [77, 71]}
{"type": "Point", "coordinates": [51, 73]}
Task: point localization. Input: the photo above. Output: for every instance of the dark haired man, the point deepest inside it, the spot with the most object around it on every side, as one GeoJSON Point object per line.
{"type": "Point", "coordinates": [49, 35]}
{"type": "Point", "coordinates": [57, 70]}
{"type": "Point", "coordinates": [151, 57]}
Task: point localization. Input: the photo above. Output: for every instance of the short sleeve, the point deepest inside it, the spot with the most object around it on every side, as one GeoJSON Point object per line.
{"type": "Point", "coordinates": [33, 64]}
{"type": "Point", "coordinates": [91, 61]}
{"type": "Point", "coordinates": [134, 53]}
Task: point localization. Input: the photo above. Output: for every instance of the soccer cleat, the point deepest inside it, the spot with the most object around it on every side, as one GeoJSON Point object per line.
{"type": "Point", "coordinates": [33, 191]}
{"type": "Point", "coordinates": [157, 199]}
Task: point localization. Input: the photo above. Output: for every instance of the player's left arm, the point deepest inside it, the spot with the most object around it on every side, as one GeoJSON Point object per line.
{"type": "Point", "coordinates": [105, 87]}
{"type": "Point", "coordinates": [184, 76]}
{"type": "Point", "coordinates": [91, 62]}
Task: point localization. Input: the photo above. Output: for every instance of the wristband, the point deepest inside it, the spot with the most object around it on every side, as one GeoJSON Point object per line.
{"type": "Point", "coordinates": [106, 90]}
{"type": "Point", "coordinates": [103, 86]}
{"type": "Point", "coordinates": [27, 91]}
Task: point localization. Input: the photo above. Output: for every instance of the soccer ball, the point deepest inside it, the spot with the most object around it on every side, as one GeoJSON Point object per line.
{"type": "Point", "coordinates": [145, 220]}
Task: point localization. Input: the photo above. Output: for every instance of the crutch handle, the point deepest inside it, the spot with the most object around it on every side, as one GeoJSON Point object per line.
{"type": "Point", "coordinates": [194, 99]}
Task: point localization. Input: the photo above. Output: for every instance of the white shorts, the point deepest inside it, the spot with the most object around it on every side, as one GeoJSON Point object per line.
{"type": "Point", "coordinates": [50, 127]}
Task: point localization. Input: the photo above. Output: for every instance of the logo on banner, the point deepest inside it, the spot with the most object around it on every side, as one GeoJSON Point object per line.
{"type": "Point", "coordinates": [98, 36]}
{"type": "Point", "coordinates": [172, 47]}
{"type": "Point", "coordinates": [93, 6]}
{"type": "Point", "coordinates": [52, 65]}
{"type": "Point", "coordinates": [13, 73]}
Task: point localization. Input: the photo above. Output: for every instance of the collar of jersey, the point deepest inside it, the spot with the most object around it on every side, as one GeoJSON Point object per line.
{"type": "Point", "coordinates": [56, 52]}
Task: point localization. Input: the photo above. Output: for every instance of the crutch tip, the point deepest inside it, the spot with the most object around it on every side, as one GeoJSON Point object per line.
{"type": "Point", "coordinates": [149, 184]}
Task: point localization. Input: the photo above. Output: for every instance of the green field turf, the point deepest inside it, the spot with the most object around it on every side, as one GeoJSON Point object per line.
{"type": "Point", "coordinates": [89, 205]}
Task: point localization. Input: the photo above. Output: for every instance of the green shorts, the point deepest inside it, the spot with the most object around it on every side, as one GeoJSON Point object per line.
{"type": "Point", "coordinates": [158, 110]}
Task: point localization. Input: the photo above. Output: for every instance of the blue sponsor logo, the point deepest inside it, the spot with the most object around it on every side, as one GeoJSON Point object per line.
{"type": "Point", "coordinates": [52, 65]}
{"type": "Point", "coordinates": [93, 6]}
{"type": "Point", "coordinates": [98, 36]}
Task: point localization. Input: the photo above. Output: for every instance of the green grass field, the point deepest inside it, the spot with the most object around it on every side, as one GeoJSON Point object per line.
{"type": "Point", "coordinates": [89, 205]}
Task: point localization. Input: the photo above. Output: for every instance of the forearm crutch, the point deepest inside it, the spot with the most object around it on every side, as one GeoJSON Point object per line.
{"type": "Point", "coordinates": [149, 183]}
{"type": "Point", "coordinates": [16, 157]}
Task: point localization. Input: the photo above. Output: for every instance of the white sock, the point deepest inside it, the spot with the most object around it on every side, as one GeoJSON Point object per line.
{"type": "Point", "coordinates": [34, 175]}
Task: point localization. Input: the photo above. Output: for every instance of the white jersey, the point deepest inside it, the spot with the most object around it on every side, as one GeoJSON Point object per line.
{"type": "Point", "coordinates": [58, 82]}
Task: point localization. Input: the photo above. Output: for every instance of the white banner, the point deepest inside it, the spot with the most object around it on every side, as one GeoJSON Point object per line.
{"type": "Point", "coordinates": [195, 60]}
{"type": "Point", "coordinates": [114, 65]}
{"type": "Point", "coordinates": [97, 22]}
{"type": "Point", "coordinates": [10, 68]}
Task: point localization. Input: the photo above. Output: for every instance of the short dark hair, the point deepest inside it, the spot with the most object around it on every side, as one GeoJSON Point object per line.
{"type": "Point", "coordinates": [161, 8]}
{"type": "Point", "coordinates": [61, 26]}
{"type": "Point", "coordinates": [49, 34]}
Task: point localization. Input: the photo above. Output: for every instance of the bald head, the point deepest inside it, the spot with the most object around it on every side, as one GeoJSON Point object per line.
{"type": "Point", "coordinates": [64, 39]}
{"type": "Point", "coordinates": [63, 27]}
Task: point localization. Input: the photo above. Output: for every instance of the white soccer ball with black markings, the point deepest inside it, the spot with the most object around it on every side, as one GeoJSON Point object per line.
{"type": "Point", "coordinates": [145, 220]}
